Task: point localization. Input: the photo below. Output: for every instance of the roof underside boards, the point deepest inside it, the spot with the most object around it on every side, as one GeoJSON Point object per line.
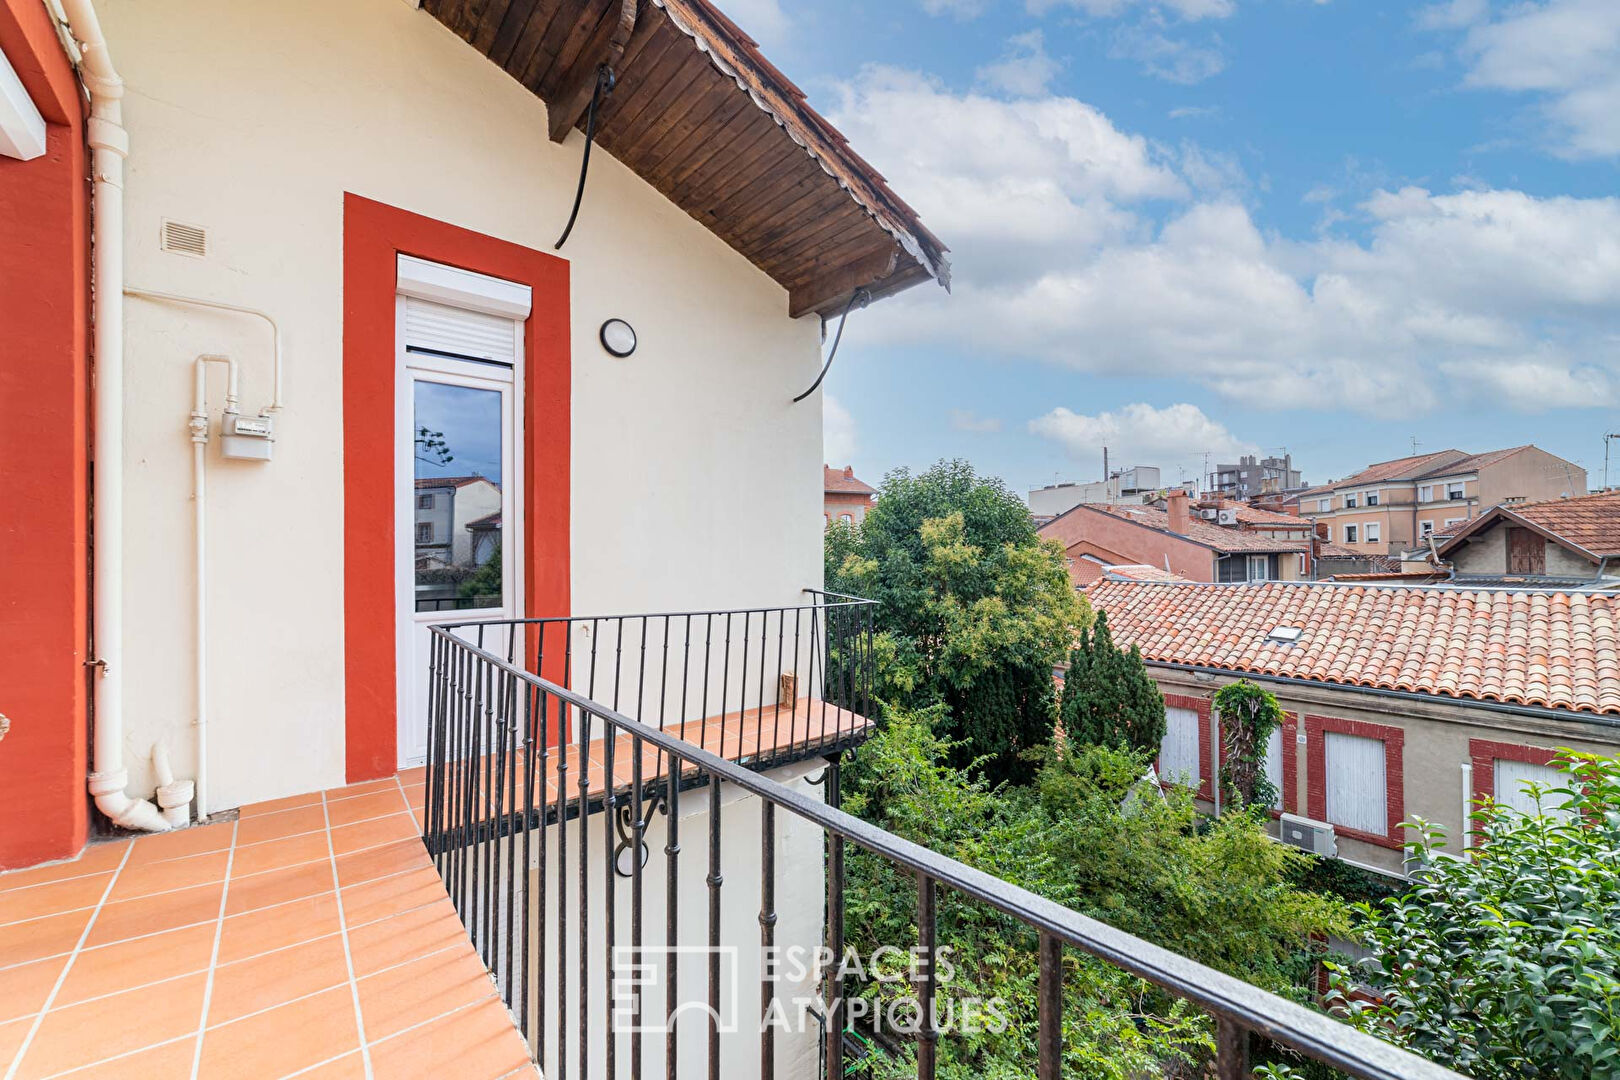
{"type": "Point", "coordinates": [703, 117]}
{"type": "Point", "coordinates": [1547, 649]}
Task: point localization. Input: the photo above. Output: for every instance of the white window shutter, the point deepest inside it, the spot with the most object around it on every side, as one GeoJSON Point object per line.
{"type": "Point", "coordinates": [1178, 753]}
{"type": "Point", "coordinates": [1511, 777]}
{"type": "Point", "coordinates": [1356, 783]}
{"type": "Point", "coordinates": [476, 335]}
{"type": "Point", "coordinates": [1274, 764]}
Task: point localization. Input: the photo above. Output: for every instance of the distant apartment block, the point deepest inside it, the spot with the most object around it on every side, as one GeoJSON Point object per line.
{"type": "Point", "coordinates": [1393, 506]}
{"type": "Point", "coordinates": [1253, 476]}
{"type": "Point", "coordinates": [845, 498]}
{"type": "Point", "coordinates": [1136, 485]}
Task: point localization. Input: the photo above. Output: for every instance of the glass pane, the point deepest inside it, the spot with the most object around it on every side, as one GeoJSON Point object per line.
{"type": "Point", "coordinates": [459, 459]}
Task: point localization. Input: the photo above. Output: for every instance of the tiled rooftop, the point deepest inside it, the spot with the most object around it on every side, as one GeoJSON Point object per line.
{"type": "Point", "coordinates": [838, 482]}
{"type": "Point", "coordinates": [1542, 648]}
{"type": "Point", "coordinates": [1590, 522]}
{"type": "Point", "coordinates": [1219, 537]}
{"type": "Point", "coordinates": [311, 938]}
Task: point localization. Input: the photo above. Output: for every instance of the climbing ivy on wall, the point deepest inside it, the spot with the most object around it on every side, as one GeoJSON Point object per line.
{"type": "Point", "coordinates": [1249, 714]}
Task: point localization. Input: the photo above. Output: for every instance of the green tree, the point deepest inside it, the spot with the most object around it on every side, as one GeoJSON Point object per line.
{"type": "Point", "coordinates": [1080, 838]}
{"type": "Point", "coordinates": [1249, 714]}
{"type": "Point", "coordinates": [1506, 965]}
{"type": "Point", "coordinates": [1108, 698]}
{"type": "Point", "coordinates": [486, 580]}
{"type": "Point", "coordinates": [974, 610]}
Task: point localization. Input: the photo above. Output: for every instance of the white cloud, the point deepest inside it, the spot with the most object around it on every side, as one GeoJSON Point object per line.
{"type": "Point", "coordinates": [838, 441]}
{"type": "Point", "coordinates": [1194, 112]}
{"type": "Point", "coordinates": [1565, 51]}
{"type": "Point", "coordinates": [1024, 70]}
{"type": "Point", "coordinates": [1176, 436]}
{"type": "Point", "coordinates": [762, 20]}
{"type": "Point", "coordinates": [1085, 246]}
{"type": "Point", "coordinates": [1174, 59]}
{"type": "Point", "coordinates": [967, 420]}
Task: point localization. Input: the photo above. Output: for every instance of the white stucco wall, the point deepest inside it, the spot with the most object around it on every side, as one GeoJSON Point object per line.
{"type": "Point", "coordinates": [693, 477]}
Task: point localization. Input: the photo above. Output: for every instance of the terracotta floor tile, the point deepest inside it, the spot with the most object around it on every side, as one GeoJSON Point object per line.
{"type": "Point", "coordinates": [127, 964]}
{"type": "Point", "coordinates": [372, 833]}
{"type": "Point", "coordinates": [362, 807]}
{"type": "Point", "coordinates": [275, 854]}
{"type": "Point", "coordinates": [39, 938]}
{"type": "Point", "coordinates": [172, 1059]}
{"type": "Point", "coordinates": [418, 991]}
{"type": "Point", "coordinates": [269, 928]}
{"type": "Point", "coordinates": [404, 937]}
{"type": "Point", "coordinates": [381, 861]}
{"type": "Point", "coordinates": [12, 1035]}
{"type": "Point", "coordinates": [276, 806]}
{"type": "Point", "coordinates": [478, 1043]}
{"type": "Point", "coordinates": [24, 988]}
{"type": "Point", "coordinates": [350, 1066]}
{"type": "Point", "coordinates": [93, 860]}
{"type": "Point", "coordinates": [416, 774]}
{"type": "Point", "coordinates": [282, 1040]}
{"type": "Point", "coordinates": [384, 897]}
{"type": "Point", "coordinates": [181, 843]}
{"type": "Point", "coordinates": [277, 886]}
{"type": "Point", "coordinates": [365, 788]}
{"type": "Point", "coordinates": [255, 830]}
{"type": "Point", "coordinates": [152, 914]}
{"type": "Point", "coordinates": [53, 898]}
{"type": "Point", "coordinates": [96, 1030]}
{"type": "Point", "coordinates": [170, 874]}
{"type": "Point", "coordinates": [276, 978]}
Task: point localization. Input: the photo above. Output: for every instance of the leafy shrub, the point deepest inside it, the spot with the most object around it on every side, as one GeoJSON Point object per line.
{"type": "Point", "coordinates": [1506, 965]}
{"type": "Point", "coordinates": [1108, 697]}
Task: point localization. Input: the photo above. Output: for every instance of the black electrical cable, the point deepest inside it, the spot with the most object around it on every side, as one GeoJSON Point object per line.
{"type": "Point", "coordinates": [604, 86]}
{"type": "Point", "coordinates": [864, 298]}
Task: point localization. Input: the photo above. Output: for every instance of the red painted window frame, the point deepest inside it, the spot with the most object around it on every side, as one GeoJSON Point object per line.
{"type": "Point", "coordinates": [374, 234]}
{"type": "Point", "coordinates": [1206, 769]}
{"type": "Point", "coordinates": [1290, 762]}
{"type": "Point", "coordinates": [1485, 752]}
{"type": "Point", "coordinates": [1393, 738]}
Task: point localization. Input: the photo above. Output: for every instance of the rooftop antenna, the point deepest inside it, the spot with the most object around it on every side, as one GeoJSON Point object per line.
{"type": "Point", "coordinates": [1415, 445]}
{"type": "Point", "coordinates": [1608, 440]}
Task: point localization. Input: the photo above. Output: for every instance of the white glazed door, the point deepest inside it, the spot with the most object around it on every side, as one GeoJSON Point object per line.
{"type": "Point", "coordinates": [458, 462]}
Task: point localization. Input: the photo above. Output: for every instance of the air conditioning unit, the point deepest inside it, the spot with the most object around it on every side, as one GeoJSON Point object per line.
{"type": "Point", "coordinates": [1207, 515]}
{"type": "Point", "coordinates": [1313, 836]}
{"type": "Point", "coordinates": [1226, 517]}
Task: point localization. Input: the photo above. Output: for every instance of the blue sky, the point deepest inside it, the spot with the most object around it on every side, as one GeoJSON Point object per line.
{"type": "Point", "coordinates": [1221, 225]}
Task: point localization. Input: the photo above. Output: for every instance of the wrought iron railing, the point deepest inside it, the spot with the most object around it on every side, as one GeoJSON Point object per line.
{"type": "Point", "coordinates": [519, 760]}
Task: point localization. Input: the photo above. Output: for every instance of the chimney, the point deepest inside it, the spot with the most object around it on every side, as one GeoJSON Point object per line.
{"type": "Point", "coordinates": [849, 472]}
{"type": "Point", "coordinates": [1180, 518]}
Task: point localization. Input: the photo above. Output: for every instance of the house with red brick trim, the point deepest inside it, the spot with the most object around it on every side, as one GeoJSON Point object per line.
{"type": "Point", "coordinates": [1402, 702]}
{"type": "Point", "coordinates": [845, 497]}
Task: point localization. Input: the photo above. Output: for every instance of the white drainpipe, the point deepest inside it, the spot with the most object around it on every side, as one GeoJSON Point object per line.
{"type": "Point", "coordinates": [198, 427]}
{"type": "Point", "coordinates": [109, 145]}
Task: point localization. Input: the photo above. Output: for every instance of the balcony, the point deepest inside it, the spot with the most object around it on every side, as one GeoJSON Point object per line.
{"type": "Point", "coordinates": [619, 819]}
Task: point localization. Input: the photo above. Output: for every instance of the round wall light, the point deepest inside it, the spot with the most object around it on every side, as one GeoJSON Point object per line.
{"type": "Point", "coordinates": [618, 337]}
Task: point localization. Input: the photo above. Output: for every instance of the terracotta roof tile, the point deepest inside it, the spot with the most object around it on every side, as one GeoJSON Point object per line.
{"type": "Point", "coordinates": [1553, 650]}
{"type": "Point", "coordinates": [841, 482]}
{"type": "Point", "coordinates": [1199, 531]}
{"type": "Point", "coordinates": [1591, 522]}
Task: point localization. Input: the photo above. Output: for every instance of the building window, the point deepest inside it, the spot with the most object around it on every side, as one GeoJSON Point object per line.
{"type": "Point", "coordinates": [1372, 498]}
{"type": "Point", "coordinates": [1454, 492]}
{"type": "Point", "coordinates": [1374, 532]}
{"type": "Point", "coordinates": [1501, 771]}
{"type": "Point", "coordinates": [424, 502]}
{"type": "Point", "coordinates": [1178, 752]}
{"type": "Point", "coordinates": [1355, 777]}
{"type": "Point", "coordinates": [1350, 534]}
{"type": "Point", "coordinates": [846, 518]}
{"type": "Point", "coordinates": [1324, 505]}
{"type": "Point", "coordinates": [424, 532]}
{"type": "Point", "coordinates": [1426, 493]}
{"type": "Point", "coordinates": [1425, 528]}
{"type": "Point", "coordinates": [1259, 567]}
{"type": "Point", "coordinates": [1356, 784]}
{"type": "Point", "coordinates": [1453, 521]}
{"type": "Point", "coordinates": [1349, 502]}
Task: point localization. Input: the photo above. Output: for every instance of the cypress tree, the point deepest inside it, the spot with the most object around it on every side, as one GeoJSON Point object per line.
{"type": "Point", "coordinates": [1108, 698]}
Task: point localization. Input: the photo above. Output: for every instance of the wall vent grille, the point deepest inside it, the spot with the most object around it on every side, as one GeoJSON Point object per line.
{"type": "Point", "coordinates": [183, 239]}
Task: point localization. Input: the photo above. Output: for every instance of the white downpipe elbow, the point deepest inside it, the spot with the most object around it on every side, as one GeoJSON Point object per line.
{"type": "Point", "coordinates": [174, 796]}
{"type": "Point", "coordinates": [125, 812]}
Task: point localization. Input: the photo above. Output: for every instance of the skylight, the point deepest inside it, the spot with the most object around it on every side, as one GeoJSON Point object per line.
{"type": "Point", "coordinates": [1285, 635]}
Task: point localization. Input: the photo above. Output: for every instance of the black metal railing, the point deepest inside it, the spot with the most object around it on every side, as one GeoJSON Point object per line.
{"type": "Point", "coordinates": [542, 803]}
